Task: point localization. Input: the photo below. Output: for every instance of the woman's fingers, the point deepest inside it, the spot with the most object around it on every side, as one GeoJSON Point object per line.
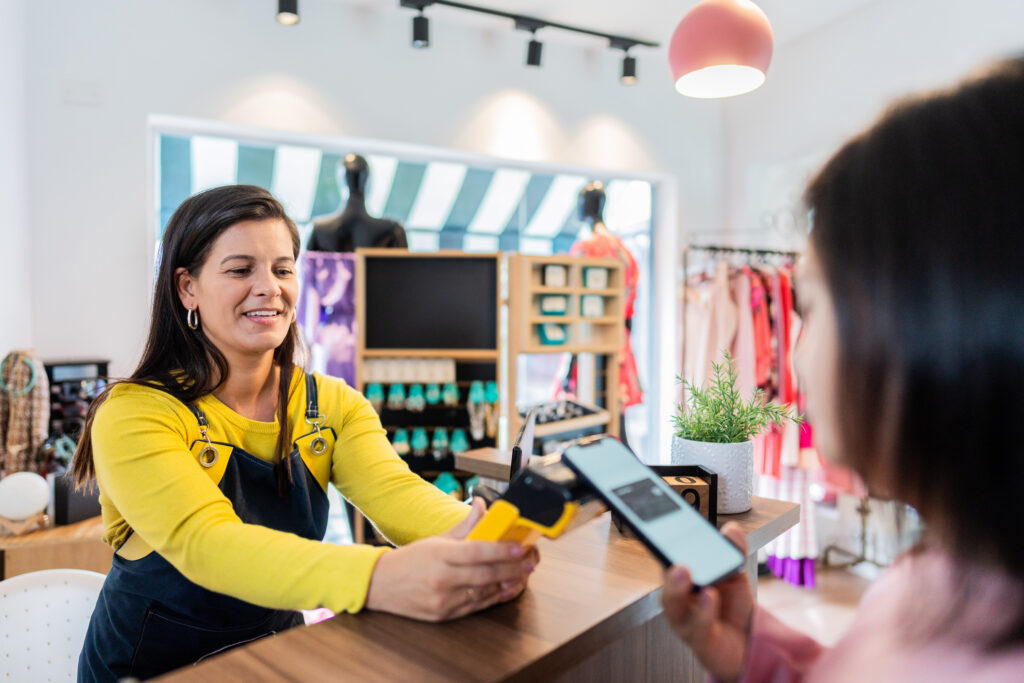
{"type": "Point", "coordinates": [477, 509]}
{"type": "Point", "coordinates": [734, 532]}
{"type": "Point", "coordinates": [483, 552]}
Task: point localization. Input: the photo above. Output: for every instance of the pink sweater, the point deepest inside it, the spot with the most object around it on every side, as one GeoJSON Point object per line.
{"type": "Point", "coordinates": [887, 640]}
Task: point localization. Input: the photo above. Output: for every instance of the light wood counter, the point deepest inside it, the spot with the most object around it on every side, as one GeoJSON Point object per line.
{"type": "Point", "coordinates": [592, 612]}
{"type": "Point", "coordinates": [74, 546]}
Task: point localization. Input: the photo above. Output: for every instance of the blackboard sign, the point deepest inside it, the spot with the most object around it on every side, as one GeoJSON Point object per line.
{"type": "Point", "coordinates": [431, 302]}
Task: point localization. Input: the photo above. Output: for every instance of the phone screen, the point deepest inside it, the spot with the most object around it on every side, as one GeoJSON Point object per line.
{"type": "Point", "coordinates": [668, 526]}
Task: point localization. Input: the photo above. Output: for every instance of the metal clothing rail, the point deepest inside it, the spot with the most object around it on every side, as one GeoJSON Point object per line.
{"type": "Point", "coordinates": [714, 248]}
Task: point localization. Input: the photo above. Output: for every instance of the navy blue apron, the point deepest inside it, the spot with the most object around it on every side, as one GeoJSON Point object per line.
{"type": "Point", "coordinates": [150, 619]}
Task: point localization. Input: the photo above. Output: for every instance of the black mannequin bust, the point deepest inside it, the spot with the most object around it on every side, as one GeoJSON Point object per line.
{"type": "Point", "coordinates": [352, 227]}
{"type": "Point", "coordinates": [590, 206]}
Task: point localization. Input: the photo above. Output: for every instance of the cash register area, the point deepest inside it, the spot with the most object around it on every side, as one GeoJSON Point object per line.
{"type": "Point", "coordinates": [518, 229]}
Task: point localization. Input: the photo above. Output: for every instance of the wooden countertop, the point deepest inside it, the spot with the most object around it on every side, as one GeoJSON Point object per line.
{"type": "Point", "coordinates": [591, 586]}
{"type": "Point", "coordinates": [87, 530]}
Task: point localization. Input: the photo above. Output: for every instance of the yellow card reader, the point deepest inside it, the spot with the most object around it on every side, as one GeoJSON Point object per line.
{"type": "Point", "coordinates": [545, 500]}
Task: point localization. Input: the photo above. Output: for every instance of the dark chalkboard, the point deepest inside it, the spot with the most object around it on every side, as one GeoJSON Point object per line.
{"type": "Point", "coordinates": [431, 302]}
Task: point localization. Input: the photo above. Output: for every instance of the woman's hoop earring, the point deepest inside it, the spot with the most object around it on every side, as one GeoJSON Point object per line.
{"type": "Point", "coordinates": [192, 319]}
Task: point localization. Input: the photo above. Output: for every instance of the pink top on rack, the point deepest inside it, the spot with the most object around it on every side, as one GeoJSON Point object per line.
{"type": "Point", "coordinates": [888, 641]}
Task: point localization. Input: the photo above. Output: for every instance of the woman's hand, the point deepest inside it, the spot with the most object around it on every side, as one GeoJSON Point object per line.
{"type": "Point", "coordinates": [714, 622]}
{"type": "Point", "coordinates": [445, 577]}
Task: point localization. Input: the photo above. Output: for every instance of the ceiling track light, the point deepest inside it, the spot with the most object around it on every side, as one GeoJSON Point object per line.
{"type": "Point", "coordinates": [628, 75]}
{"type": "Point", "coordinates": [420, 31]}
{"type": "Point", "coordinates": [420, 23]}
{"type": "Point", "coordinates": [535, 48]}
{"type": "Point", "coordinates": [533, 52]}
{"type": "Point", "coordinates": [288, 12]}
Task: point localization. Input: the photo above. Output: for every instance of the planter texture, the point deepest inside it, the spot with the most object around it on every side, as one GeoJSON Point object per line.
{"type": "Point", "coordinates": [732, 462]}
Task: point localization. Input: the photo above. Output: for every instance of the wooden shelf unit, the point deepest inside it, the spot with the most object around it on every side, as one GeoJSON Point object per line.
{"type": "Point", "coordinates": [602, 336]}
{"type": "Point", "coordinates": [486, 359]}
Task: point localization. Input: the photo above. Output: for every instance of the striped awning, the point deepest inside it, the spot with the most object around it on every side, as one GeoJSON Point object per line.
{"type": "Point", "coordinates": [442, 204]}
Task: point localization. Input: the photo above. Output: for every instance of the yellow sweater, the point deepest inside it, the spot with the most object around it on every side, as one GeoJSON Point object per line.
{"type": "Point", "coordinates": [151, 483]}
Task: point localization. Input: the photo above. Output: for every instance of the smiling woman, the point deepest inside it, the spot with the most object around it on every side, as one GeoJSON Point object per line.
{"type": "Point", "coordinates": [213, 460]}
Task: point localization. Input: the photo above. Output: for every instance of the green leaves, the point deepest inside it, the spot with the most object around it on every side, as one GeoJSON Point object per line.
{"type": "Point", "coordinates": [718, 414]}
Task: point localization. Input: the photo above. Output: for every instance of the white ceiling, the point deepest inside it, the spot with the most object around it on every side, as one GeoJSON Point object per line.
{"type": "Point", "coordinates": [652, 20]}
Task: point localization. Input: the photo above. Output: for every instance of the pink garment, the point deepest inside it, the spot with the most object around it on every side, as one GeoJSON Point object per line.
{"type": "Point", "coordinates": [711, 322]}
{"type": "Point", "coordinates": [762, 328]}
{"type": "Point", "coordinates": [603, 244]}
{"type": "Point", "coordinates": [743, 350]}
{"type": "Point", "coordinates": [883, 644]}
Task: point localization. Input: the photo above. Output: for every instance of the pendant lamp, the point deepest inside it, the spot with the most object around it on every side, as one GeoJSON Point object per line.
{"type": "Point", "coordinates": [720, 48]}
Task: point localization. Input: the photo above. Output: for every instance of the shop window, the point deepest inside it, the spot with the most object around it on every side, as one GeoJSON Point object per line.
{"type": "Point", "coordinates": [443, 205]}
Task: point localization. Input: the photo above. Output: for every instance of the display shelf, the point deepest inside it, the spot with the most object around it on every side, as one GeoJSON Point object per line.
{"type": "Point", "coordinates": [457, 354]}
{"type": "Point", "coordinates": [599, 335]}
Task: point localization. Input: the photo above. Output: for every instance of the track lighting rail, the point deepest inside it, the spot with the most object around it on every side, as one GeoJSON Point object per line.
{"type": "Point", "coordinates": [531, 24]}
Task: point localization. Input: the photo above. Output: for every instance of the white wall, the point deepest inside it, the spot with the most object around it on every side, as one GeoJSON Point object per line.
{"type": "Point", "coordinates": [15, 301]}
{"type": "Point", "coordinates": [96, 71]}
{"type": "Point", "coordinates": [830, 84]}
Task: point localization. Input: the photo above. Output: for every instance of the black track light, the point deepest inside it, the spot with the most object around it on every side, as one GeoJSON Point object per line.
{"type": "Point", "coordinates": [420, 31]}
{"type": "Point", "coordinates": [288, 12]}
{"type": "Point", "coordinates": [533, 52]}
{"type": "Point", "coordinates": [628, 70]}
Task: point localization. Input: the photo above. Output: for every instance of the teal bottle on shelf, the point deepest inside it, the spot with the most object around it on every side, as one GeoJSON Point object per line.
{"type": "Point", "coordinates": [375, 395]}
{"type": "Point", "coordinates": [420, 442]}
{"type": "Point", "coordinates": [459, 442]}
{"type": "Point", "coordinates": [400, 441]}
{"type": "Point", "coordinates": [451, 394]}
{"type": "Point", "coordinates": [491, 392]}
{"type": "Point", "coordinates": [415, 401]}
{"type": "Point", "coordinates": [396, 396]}
{"type": "Point", "coordinates": [433, 394]}
{"type": "Point", "coordinates": [439, 444]}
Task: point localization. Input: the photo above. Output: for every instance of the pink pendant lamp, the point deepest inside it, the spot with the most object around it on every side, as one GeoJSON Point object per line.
{"type": "Point", "coordinates": [720, 48]}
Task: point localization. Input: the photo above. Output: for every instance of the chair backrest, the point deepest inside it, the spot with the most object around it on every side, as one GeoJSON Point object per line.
{"type": "Point", "coordinates": [43, 619]}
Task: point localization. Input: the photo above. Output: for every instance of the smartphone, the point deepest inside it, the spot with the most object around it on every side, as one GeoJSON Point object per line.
{"type": "Point", "coordinates": [669, 527]}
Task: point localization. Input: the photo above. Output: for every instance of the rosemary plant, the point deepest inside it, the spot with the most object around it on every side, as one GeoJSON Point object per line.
{"type": "Point", "coordinates": [718, 414]}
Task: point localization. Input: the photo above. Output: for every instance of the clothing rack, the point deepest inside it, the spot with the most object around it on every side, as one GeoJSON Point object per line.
{"type": "Point", "coordinates": [714, 248]}
{"type": "Point", "coordinates": [723, 249]}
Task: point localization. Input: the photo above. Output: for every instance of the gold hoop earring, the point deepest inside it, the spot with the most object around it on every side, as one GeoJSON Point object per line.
{"type": "Point", "coordinates": [192, 319]}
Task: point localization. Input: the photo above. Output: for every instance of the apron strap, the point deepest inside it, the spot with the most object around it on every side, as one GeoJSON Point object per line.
{"type": "Point", "coordinates": [199, 415]}
{"type": "Point", "coordinates": [312, 402]}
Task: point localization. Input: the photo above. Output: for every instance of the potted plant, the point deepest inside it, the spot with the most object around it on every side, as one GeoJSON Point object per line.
{"type": "Point", "coordinates": [714, 428]}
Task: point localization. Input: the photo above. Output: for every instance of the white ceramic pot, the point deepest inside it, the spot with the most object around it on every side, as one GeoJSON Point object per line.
{"type": "Point", "coordinates": [732, 462]}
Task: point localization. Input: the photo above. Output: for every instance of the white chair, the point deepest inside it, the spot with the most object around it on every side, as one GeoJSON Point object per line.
{"type": "Point", "coordinates": [43, 619]}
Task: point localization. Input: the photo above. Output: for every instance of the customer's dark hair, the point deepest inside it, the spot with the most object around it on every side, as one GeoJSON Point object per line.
{"type": "Point", "coordinates": [181, 361]}
{"type": "Point", "coordinates": [919, 227]}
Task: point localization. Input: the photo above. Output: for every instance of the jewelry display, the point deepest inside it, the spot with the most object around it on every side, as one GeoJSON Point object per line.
{"type": "Point", "coordinates": [477, 409]}
{"type": "Point", "coordinates": [491, 397]}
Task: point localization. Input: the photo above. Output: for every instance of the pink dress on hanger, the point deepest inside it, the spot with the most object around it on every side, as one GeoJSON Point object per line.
{"type": "Point", "coordinates": [603, 244]}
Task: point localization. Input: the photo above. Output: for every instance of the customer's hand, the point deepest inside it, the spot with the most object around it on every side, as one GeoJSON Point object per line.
{"type": "Point", "coordinates": [715, 621]}
{"type": "Point", "coordinates": [445, 577]}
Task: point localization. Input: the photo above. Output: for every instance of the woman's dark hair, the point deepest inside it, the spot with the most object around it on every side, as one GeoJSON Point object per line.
{"type": "Point", "coordinates": [181, 361]}
{"type": "Point", "coordinates": [919, 227]}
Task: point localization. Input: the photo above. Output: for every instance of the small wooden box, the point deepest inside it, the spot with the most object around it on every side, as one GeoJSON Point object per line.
{"type": "Point", "coordinates": [698, 486]}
